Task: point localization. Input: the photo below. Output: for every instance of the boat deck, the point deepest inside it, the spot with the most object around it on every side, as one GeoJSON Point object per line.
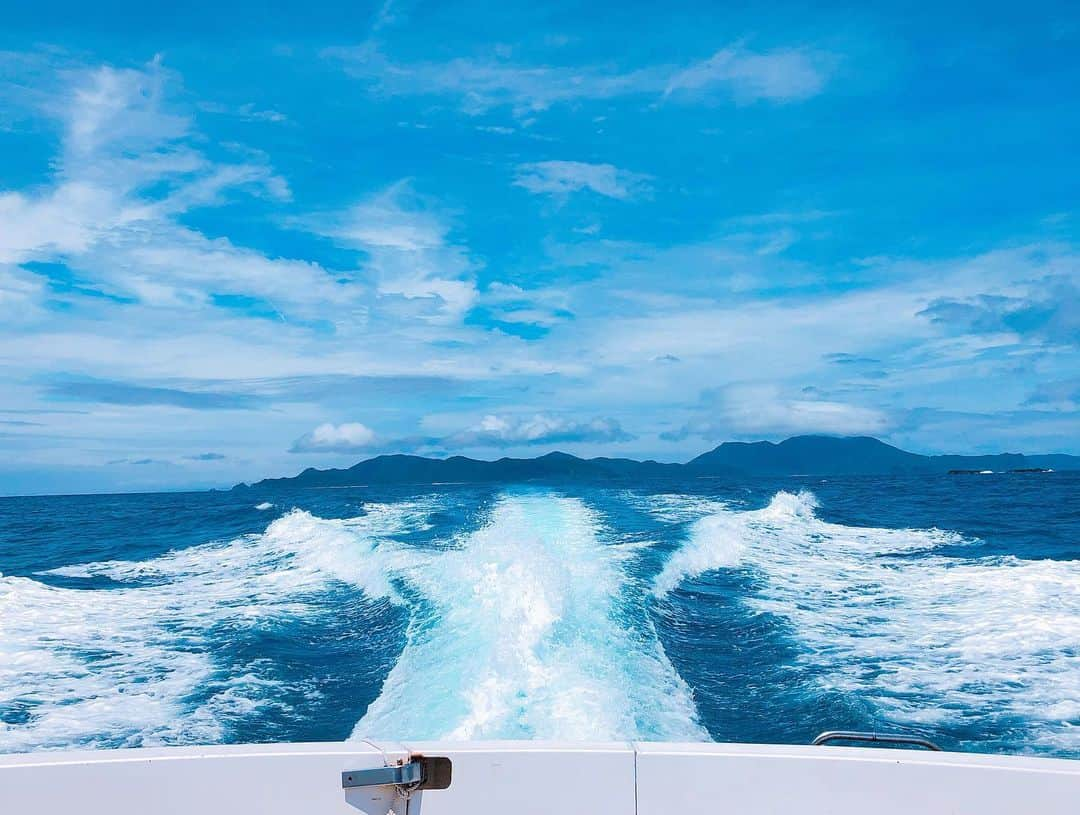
{"type": "Point", "coordinates": [536, 777]}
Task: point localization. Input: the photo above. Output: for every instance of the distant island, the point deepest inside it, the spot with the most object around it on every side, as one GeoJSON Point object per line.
{"type": "Point", "coordinates": [799, 455]}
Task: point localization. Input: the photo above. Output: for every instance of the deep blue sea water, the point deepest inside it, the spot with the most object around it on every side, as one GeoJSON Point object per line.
{"type": "Point", "coordinates": [757, 611]}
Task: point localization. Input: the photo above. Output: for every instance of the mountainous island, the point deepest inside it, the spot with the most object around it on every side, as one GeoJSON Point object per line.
{"type": "Point", "coordinates": [799, 455]}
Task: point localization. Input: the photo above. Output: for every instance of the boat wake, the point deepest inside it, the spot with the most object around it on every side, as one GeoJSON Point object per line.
{"type": "Point", "coordinates": [536, 621]}
{"type": "Point", "coordinates": [528, 629]}
{"type": "Point", "coordinates": [131, 663]}
{"type": "Point", "coordinates": [989, 644]}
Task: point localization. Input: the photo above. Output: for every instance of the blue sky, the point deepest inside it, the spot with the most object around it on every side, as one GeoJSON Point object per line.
{"type": "Point", "coordinates": [235, 243]}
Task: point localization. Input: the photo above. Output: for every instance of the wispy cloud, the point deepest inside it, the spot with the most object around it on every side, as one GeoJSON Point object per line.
{"type": "Point", "coordinates": [113, 112]}
{"type": "Point", "coordinates": [783, 75]}
{"type": "Point", "coordinates": [122, 139]}
{"type": "Point", "coordinates": [481, 85]}
{"type": "Point", "coordinates": [844, 358]}
{"type": "Point", "coordinates": [248, 111]}
{"type": "Point", "coordinates": [737, 72]}
{"type": "Point", "coordinates": [1028, 431]}
{"type": "Point", "coordinates": [395, 218]}
{"type": "Point", "coordinates": [120, 393]}
{"type": "Point", "coordinates": [1049, 310]}
{"type": "Point", "coordinates": [409, 253]}
{"type": "Point", "coordinates": [526, 313]}
{"type": "Point", "coordinates": [20, 291]}
{"type": "Point", "coordinates": [167, 261]}
{"type": "Point", "coordinates": [561, 178]}
{"type": "Point", "coordinates": [1063, 394]}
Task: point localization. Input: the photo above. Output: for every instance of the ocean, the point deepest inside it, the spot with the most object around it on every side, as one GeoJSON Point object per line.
{"type": "Point", "coordinates": [762, 610]}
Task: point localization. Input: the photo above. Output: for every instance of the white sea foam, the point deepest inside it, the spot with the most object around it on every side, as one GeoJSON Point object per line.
{"type": "Point", "coordinates": [103, 667]}
{"type": "Point", "coordinates": [530, 626]}
{"type": "Point", "coordinates": [91, 667]}
{"type": "Point", "coordinates": [524, 634]}
{"type": "Point", "coordinates": [519, 629]}
{"type": "Point", "coordinates": [675, 507]}
{"type": "Point", "coordinates": [264, 505]}
{"type": "Point", "coordinates": [994, 642]}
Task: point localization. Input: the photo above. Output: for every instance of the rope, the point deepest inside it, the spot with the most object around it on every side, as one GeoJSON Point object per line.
{"type": "Point", "coordinates": [405, 791]}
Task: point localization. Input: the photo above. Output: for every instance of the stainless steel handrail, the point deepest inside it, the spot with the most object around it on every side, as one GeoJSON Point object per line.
{"type": "Point", "coordinates": [888, 738]}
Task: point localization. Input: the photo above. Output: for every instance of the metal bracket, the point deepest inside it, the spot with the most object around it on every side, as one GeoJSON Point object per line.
{"type": "Point", "coordinates": [888, 738]}
{"type": "Point", "coordinates": [420, 773]}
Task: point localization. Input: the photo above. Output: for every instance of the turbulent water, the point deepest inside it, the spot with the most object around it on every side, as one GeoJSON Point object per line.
{"type": "Point", "coordinates": [750, 611]}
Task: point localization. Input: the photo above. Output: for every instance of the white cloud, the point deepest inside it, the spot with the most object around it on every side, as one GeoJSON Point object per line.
{"type": "Point", "coordinates": [597, 315]}
{"type": "Point", "coordinates": [544, 307]}
{"type": "Point", "coordinates": [704, 315]}
{"type": "Point", "coordinates": [783, 75]}
{"type": "Point", "coordinates": [19, 292]}
{"type": "Point", "coordinates": [758, 410]}
{"type": "Point", "coordinates": [167, 265]}
{"type": "Point", "coordinates": [248, 112]}
{"type": "Point", "coordinates": [350, 437]}
{"type": "Point", "coordinates": [409, 253]}
{"type": "Point", "coordinates": [114, 111]}
{"type": "Point", "coordinates": [560, 178]}
{"type": "Point", "coordinates": [1048, 310]}
{"type": "Point", "coordinates": [780, 75]}
{"type": "Point", "coordinates": [540, 428]}
{"type": "Point", "coordinates": [485, 84]}
{"type": "Point", "coordinates": [120, 139]}
{"type": "Point", "coordinates": [64, 221]}
{"type": "Point", "coordinates": [128, 290]}
{"type": "Point", "coordinates": [391, 219]}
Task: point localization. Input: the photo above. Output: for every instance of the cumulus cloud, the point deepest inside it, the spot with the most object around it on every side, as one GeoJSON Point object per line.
{"type": "Point", "coordinates": [107, 270]}
{"type": "Point", "coordinates": [541, 428]}
{"type": "Point", "coordinates": [349, 437]}
{"type": "Point", "coordinates": [763, 410]}
{"type": "Point", "coordinates": [561, 178]}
